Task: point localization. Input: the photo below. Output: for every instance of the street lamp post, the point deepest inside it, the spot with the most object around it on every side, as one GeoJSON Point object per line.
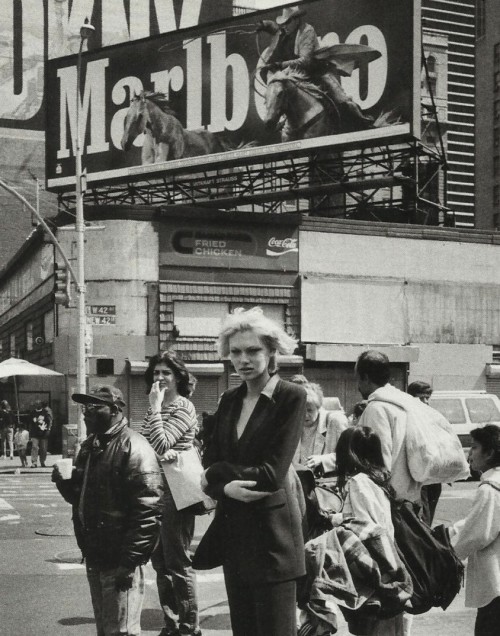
{"type": "Point", "coordinates": [81, 371]}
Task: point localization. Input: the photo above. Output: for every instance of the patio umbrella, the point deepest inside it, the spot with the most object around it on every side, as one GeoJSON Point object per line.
{"type": "Point", "coordinates": [16, 366]}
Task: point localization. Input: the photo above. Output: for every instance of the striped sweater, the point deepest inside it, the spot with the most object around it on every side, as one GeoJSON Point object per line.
{"type": "Point", "coordinates": [174, 428]}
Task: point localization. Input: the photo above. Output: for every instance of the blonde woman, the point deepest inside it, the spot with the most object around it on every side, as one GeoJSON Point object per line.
{"type": "Point", "coordinates": [256, 534]}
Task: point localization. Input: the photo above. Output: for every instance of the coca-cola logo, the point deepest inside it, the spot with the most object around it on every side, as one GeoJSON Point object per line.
{"type": "Point", "coordinates": [278, 247]}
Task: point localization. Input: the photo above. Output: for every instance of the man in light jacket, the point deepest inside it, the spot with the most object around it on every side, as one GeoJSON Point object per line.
{"type": "Point", "coordinates": [387, 419]}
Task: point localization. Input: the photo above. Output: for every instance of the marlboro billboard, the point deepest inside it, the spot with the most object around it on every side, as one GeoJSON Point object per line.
{"type": "Point", "coordinates": [262, 85]}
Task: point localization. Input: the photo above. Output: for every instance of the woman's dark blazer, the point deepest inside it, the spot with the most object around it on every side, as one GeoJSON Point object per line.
{"type": "Point", "coordinates": [260, 541]}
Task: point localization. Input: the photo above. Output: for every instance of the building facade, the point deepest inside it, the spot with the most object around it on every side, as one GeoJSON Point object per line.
{"type": "Point", "coordinates": [455, 21]}
{"type": "Point", "coordinates": [488, 115]}
{"type": "Point", "coordinates": [161, 280]}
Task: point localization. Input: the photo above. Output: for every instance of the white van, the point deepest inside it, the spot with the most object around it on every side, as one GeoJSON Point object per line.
{"type": "Point", "coordinates": [467, 410]}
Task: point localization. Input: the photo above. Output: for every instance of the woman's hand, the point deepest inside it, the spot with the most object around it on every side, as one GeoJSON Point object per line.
{"type": "Point", "coordinates": [240, 490]}
{"type": "Point", "coordinates": [156, 396]}
{"type": "Point", "coordinates": [313, 461]}
{"type": "Point", "coordinates": [170, 456]}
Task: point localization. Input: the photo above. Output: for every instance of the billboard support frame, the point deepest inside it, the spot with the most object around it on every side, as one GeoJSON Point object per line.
{"type": "Point", "coordinates": [306, 183]}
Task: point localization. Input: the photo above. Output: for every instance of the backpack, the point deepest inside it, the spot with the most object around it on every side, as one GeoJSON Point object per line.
{"type": "Point", "coordinates": [434, 451]}
{"type": "Point", "coordinates": [434, 568]}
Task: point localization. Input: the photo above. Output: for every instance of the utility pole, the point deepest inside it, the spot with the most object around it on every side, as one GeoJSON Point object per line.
{"type": "Point", "coordinates": [81, 371]}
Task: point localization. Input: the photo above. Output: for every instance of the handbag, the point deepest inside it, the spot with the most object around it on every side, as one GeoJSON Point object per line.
{"type": "Point", "coordinates": [184, 480]}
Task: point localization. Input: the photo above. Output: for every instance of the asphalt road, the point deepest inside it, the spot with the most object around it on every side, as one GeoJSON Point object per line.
{"type": "Point", "coordinates": [43, 588]}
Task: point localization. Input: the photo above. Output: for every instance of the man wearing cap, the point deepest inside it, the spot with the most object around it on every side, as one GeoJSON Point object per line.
{"type": "Point", "coordinates": [114, 490]}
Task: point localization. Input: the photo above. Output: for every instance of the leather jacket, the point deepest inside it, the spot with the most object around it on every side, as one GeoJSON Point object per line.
{"type": "Point", "coordinates": [117, 523]}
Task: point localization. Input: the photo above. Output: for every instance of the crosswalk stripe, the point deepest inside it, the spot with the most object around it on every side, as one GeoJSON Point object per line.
{"type": "Point", "coordinates": [5, 505]}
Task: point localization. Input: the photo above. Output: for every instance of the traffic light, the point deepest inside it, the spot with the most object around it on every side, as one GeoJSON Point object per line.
{"type": "Point", "coordinates": [62, 293]}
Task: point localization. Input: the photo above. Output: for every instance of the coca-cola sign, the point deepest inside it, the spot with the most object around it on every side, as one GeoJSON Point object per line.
{"type": "Point", "coordinates": [278, 247]}
{"type": "Point", "coordinates": [237, 245]}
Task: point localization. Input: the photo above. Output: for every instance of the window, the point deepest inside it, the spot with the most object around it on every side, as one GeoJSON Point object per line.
{"type": "Point", "coordinates": [29, 336]}
{"type": "Point", "coordinates": [48, 326]}
{"type": "Point", "coordinates": [431, 64]}
{"type": "Point", "coordinates": [495, 358]}
{"type": "Point", "coordinates": [13, 344]}
{"type": "Point", "coordinates": [199, 319]}
{"type": "Point", "coordinates": [204, 319]}
{"type": "Point", "coordinates": [482, 410]}
{"type": "Point", "coordinates": [451, 408]}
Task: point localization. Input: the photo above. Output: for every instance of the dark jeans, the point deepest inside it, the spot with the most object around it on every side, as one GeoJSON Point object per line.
{"type": "Point", "coordinates": [430, 496]}
{"type": "Point", "coordinates": [488, 619]}
{"type": "Point", "coordinates": [175, 576]}
{"type": "Point", "coordinates": [261, 609]}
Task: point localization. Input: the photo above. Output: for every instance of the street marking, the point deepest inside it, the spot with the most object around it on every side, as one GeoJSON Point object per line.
{"type": "Point", "coordinates": [70, 566]}
{"type": "Point", "coordinates": [4, 505]}
{"type": "Point", "coordinates": [9, 517]}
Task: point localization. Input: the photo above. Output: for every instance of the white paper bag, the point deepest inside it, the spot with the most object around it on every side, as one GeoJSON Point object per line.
{"type": "Point", "coordinates": [184, 477]}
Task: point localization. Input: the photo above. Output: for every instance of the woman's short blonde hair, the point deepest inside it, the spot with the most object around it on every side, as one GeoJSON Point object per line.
{"type": "Point", "coordinates": [314, 394]}
{"type": "Point", "coordinates": [269, 332]}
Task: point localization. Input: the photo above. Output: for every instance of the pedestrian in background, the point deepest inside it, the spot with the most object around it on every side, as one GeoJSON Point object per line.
{"type": "Point", "coordinates": [40, 426]}
{"type": "Point", "coordinates": [477, 537]}
{"type": "Point", "coordinates": [256, 534]}
{"type": "Point", "coordinates": [21, 439]}
{"type": "Point", "coordinates": [114, 490]}
{"type": "Point", "coordinates": [322, 429]}
{"type": "Point", "coordinates": [7, 422]}
{"type": "Point", "coordinates": [170, 426]}
{"type": "Point", "coordinates": [430, 493]}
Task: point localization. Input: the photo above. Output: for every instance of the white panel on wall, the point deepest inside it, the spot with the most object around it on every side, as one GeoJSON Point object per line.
{"type": "Point", "coordinates": [353, 311]}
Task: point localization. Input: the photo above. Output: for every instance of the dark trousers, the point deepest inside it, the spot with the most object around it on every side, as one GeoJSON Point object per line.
{"type": "Point", "coordinates": [430, 496]}
{"type": "Point", "coordinates": [261, 609]}
{"type": "Point", "coordinates": [488, 619]}
{"type": "Point", "coordinates": [175, 577]}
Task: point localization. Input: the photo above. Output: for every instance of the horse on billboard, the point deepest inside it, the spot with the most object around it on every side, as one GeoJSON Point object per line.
{"type": "Point", "coordinates": [165, 136]}
{"type": "Point", "coordinates": [295, 106]}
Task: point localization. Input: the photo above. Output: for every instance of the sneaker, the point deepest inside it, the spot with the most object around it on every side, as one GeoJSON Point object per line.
{"type": "Point", "coordinates": [33, 465]}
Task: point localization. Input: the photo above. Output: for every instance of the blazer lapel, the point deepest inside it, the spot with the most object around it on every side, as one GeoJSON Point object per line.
{"type": "Point", "coordinates": [228, 437]}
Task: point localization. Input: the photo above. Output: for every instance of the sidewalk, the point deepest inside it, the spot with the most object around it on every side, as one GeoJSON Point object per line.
{"type": "Point", "coordinates": [13, 466]}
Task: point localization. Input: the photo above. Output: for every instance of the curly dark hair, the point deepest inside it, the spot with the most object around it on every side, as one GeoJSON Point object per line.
{"type": "Point", "coordinates": [175, 364]}
{"type": "Point", "coordinates": [359, 450]}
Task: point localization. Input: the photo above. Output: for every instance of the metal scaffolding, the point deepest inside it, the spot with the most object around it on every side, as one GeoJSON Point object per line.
{"type": "Point", "coordinates": [392, 182]}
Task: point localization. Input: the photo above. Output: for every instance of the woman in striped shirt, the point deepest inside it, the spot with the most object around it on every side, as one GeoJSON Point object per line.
{"type": "Point", "coordinates": [170, 426]}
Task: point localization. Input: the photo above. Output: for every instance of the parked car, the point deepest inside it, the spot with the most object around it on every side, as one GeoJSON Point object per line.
{"type": "Point", "coordinates": [467, 410]}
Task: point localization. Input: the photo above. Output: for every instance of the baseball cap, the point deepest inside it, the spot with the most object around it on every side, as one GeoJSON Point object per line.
{"type": "Point", "coordinates": [101, 394]}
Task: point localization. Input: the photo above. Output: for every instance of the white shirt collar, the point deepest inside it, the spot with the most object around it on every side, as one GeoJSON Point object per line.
{"type": "Point", "coordinates": [268, 390]}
